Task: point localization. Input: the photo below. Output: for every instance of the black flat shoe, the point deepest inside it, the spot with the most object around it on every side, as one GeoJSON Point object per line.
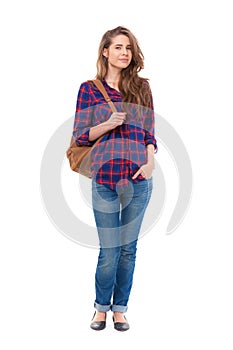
{"type": "Point", "coordinates": [121, 326]}
{"type": "Point", "coordinates": [98, 325]}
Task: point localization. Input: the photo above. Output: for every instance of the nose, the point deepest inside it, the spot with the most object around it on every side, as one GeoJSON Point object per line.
{"type": "Point", "coordinates": [124, 51]}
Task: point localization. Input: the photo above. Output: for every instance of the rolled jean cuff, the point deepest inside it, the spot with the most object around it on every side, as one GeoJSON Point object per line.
{"type": "Point", "coordinates": [119, 308]}
{"type": "Point", "coordinates": [102, 308]}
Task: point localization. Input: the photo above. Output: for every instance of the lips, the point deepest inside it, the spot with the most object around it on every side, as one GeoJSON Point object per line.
{"type": "Point", "coordinates": [124, 60]}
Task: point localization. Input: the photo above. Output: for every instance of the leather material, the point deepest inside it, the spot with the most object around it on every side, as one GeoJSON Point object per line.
{"type": "Point", "coordinates": [121, 326]}
{"type": "Point", "coordinates": [80, 156]}
{"type": "Point", "coordinates": [98, 325]}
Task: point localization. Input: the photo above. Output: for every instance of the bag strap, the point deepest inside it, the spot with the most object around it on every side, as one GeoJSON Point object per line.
{"type": "Point", "coordinates": [101, 88]}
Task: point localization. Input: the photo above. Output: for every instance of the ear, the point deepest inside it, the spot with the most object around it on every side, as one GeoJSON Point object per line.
{"type": "Point", "coordinates": [105, 53]}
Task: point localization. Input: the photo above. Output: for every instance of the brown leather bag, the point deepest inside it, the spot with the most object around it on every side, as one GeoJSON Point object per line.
{"type": "Point", "coordinates": [80, 156]}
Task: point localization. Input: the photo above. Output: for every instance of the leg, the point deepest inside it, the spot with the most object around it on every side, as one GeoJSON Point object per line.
{"type": "Point", "coordinates": [106, 207]}
{"type": "Point", "coordinates": [105, 277]}
{"type": "Point", "coordinates": [131, 220]}
{"type": "Point", "coordinates": [124, 277]}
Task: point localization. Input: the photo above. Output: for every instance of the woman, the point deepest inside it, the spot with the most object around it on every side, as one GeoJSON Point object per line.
{"type": "Point", "coordinates": [122, 166]}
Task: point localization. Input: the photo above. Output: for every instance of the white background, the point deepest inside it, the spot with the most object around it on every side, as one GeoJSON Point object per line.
{"type": "Point", "coordinates": [182, 293]}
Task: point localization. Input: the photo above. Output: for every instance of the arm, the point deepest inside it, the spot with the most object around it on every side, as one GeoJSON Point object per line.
{"type": "Point", "coordinates": [84, 133]}
{"type": "Point", "coordinates": [115, 120]}
{"type": "Point", "coordinates": [83, 116]}
{"type": "Point", "coordinates": [151, 144]}
{"type": "Point", "coordinates": [149, 125]}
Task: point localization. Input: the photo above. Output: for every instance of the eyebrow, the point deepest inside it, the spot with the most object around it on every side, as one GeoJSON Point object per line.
{"type": "Point", "coordinates": [121, 45]}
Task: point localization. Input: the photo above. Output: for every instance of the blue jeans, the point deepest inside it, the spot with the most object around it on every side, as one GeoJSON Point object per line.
{"type": "Point", "coordinates": [118, 215]}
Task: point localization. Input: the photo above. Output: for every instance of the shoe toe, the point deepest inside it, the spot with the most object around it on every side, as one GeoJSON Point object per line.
{"type": "Point", "coordinates": [98, 325]}
{"type": "Point", "coordinates": [121, 326]}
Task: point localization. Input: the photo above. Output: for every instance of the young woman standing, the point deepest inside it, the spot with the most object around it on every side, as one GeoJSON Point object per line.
{"type": "Point", "coordinates": [122, 166]}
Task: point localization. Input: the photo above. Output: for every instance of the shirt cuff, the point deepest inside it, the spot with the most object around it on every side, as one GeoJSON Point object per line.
{"type": "Point", "coordinates": [83, 139]}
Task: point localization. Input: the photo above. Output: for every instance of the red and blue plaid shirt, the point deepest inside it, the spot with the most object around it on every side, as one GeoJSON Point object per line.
{"type": "Point", "coordinates": [121, 151]}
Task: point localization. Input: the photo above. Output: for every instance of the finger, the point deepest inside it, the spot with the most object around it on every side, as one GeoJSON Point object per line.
{"type": "Point", "coordinates": [120, 121]}
{"type": "Point", "coordinates": [120, 118]}
{"type": "Point", "coordinates": [136, 174]}
{"type": "Point", "coordinates": [121, 115]}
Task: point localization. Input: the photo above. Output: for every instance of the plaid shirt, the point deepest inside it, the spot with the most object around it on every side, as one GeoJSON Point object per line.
{"type": "Point", "coordinates": [121, 151]}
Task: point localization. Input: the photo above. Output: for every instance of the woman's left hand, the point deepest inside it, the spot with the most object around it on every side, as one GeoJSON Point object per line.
{"type": "Point", "coordinates": [145, 170]}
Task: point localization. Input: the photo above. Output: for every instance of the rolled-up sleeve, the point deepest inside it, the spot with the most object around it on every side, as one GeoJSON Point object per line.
{"type": "Point", "coordinates": [83, 117]}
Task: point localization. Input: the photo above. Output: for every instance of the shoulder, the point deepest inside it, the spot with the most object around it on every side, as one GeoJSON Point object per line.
{"type": "Point", "coordinates": [145, 83]}
{"type": "Point", "coordinates": [89, 93]}
{"type": "Point", "coordinates": [88, 87]}
{"type": "Point", "coordinates": [146, 91]}
{"type": "Point", "coordinates": [85, 86]}
{"type": "Point", "coordinates": [145, 86]}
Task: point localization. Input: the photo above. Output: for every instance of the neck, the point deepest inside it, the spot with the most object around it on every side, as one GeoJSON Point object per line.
{"type": "Point", "coordinates": [113, 77]}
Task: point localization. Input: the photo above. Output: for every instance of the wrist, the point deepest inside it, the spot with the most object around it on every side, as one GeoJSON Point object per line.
{"type": "Point", "coordinates": [108, 126]}
{"type": "Point", "coordinates": [150, 149]}
{"type": "Point", "coordinates": [150, 159]}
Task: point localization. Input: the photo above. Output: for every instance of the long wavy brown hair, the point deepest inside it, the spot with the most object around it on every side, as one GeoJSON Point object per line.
{"type": "Point", "coordinates": [134, 89]}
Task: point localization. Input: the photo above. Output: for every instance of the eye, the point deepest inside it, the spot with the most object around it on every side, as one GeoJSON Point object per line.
{"type": "Point", "coordinates": [118, 47]}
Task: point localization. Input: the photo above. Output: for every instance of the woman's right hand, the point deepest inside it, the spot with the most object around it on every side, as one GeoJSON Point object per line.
{"type": "Point", "coordinates": [116, 119]}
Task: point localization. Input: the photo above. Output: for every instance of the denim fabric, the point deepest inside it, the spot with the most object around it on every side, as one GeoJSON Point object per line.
{"type": "Point", "coordinates": [118, 215]}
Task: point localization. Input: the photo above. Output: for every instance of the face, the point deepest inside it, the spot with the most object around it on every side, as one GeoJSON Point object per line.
{"type": "Point", "coordinates": [119, 52]}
